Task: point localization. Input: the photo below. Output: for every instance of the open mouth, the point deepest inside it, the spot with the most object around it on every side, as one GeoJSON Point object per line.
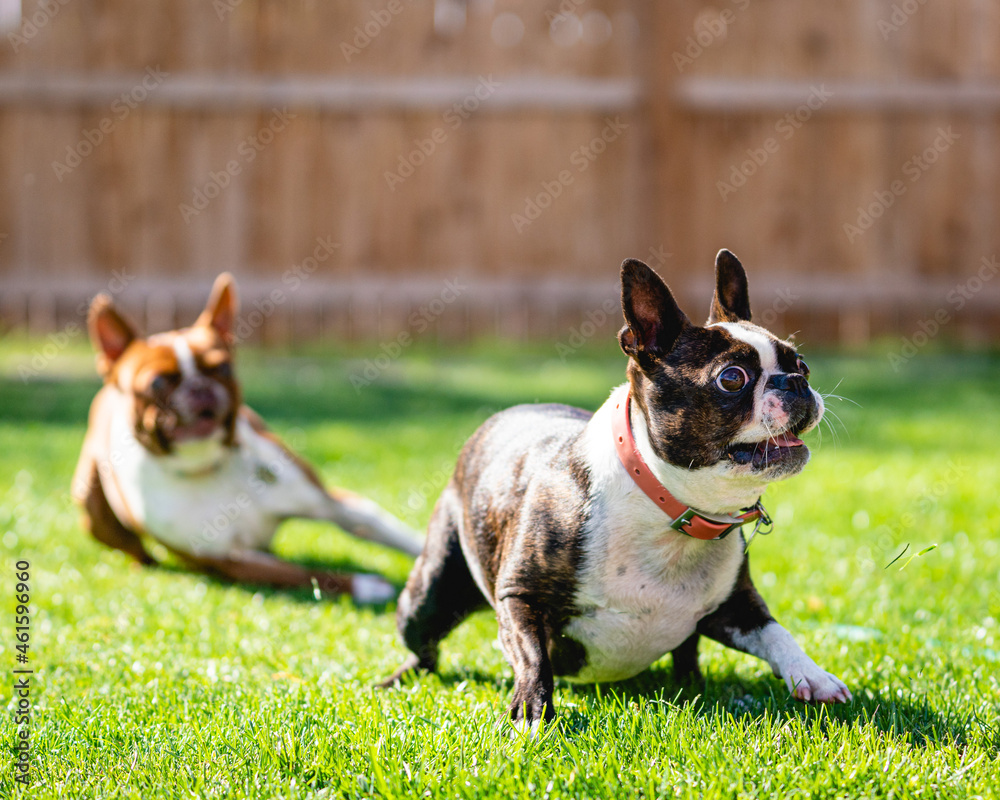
{"type": "Point", "coordinates": [203, 424]}
{"type": "Point", "coordinates": [764, 454]}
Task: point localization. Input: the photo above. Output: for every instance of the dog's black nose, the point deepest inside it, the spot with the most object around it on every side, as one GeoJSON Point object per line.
{"type": "Point", "coordinates": [796, 384]}
{"type": "Point", "coordinates": [203, 395]}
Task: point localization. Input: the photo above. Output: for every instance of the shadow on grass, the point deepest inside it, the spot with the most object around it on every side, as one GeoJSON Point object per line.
{"type": "Point", "coordinates": [304, 595]}
{"type": "Point", "coordinates": [727, 697]}
{"type": "Point", "coordinates": [272, 391]}
{"type": "Point", "coordinates": [65, 401]}
{"type": "Point", "coordinates": [59, 401]}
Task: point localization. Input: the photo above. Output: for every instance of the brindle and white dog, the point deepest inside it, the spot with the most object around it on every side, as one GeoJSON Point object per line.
{"type": "Point", "coordinates": [601, 540]}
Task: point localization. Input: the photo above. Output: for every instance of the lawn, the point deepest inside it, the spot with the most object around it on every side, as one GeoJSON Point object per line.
{"type": "Point", "coordinates": [162, 683]}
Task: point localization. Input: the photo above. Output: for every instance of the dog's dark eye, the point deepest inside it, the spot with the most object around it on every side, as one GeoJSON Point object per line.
{"type": "Point", "coordinates": [732, 379]}
{"type": "Point", "coordinates": [223, 370]}
{"type": "Point", "coordinates": [802, 367]}
{"type": "Point", "coordinates": [163, 383]}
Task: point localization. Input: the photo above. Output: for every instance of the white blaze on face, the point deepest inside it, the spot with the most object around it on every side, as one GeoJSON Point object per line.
{"type": "Point", "coordinates": [185, 358]}
{"type": "Point", "coordinates": [765, 406]}
{"type": "Point", "coordinates": [770, 416]}
{"type": "Point", "coordinates": [760, 341]}
{"type": "Point", "coordinates": [192, 379]}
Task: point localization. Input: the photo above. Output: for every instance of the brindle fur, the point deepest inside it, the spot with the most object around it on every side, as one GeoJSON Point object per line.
{"type": "Point", "coordinates": [517, 505]}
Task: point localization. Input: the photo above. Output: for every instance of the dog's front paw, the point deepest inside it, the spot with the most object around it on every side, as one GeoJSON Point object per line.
{"type": "Point", "coordinates": [527, 710]}
{"type": "Point", "coordinates": [808, 682]}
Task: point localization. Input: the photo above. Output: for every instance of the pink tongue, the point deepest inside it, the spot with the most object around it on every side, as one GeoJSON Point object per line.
{"type": "Point", "coordinates": [786, 440]}
{"type": "Point", "coordinates": [198, 429]}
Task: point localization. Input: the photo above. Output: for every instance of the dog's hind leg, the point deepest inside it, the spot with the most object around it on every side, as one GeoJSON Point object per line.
{"type": "Point", "coordinates": [311, 499]}
{"type": "Point", "coordinates": [255, 567]}
{"type": "Point", "coordinates": [440, 591]}
{"type": "Point", "coordinates": [366, 519]}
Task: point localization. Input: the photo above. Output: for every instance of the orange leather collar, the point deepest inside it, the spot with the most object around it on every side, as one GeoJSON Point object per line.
{"type": "Point", "coordinates": [685, 519]}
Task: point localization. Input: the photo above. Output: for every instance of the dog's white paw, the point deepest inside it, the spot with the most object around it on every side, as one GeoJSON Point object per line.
{"type": "Point", "coordinates": [371, 589]}
{"type": "Point", "coordinates": [803, 676]}
{"type": "Point", "coordinates": [808, 682]}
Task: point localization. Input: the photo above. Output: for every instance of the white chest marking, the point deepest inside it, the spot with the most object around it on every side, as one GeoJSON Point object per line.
{"type": "Point", "coordinates": [238, 505]}
{"type": "Point", "coordinates": [643, 586]}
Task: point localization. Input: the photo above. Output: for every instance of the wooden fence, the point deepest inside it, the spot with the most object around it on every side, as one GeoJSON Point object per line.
{"type": "Point", "coordinates": [355, 157]}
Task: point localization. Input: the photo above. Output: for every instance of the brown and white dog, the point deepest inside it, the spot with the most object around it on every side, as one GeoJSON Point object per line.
{"type": "Point", "coordinates": [172, 453]}
{"type": "Point", "coordinates": [605, 540]}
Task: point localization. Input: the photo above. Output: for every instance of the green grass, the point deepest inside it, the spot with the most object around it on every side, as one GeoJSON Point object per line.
{"type": "Point", "coordinates": [163, 683]}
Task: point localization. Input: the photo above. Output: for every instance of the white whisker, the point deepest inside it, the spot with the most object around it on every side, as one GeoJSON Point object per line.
{"type": "Point", "coordinates": [770, 435]}
{"type": "Point", "coordinates": [836, 416]}
{"type": "Point", "coordinates": [830, 394]}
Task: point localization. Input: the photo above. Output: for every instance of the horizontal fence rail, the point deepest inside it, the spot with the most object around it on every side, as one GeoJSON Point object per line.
{"type": "Point", "coordinates": [731, 95]}
{"type": "Point", "coordinates": [224, 93]}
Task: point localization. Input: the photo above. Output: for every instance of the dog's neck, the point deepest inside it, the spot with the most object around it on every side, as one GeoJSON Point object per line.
{"type": "Point", "coordinates": [705, 489]}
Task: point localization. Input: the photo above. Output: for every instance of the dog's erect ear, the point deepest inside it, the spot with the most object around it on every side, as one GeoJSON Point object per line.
{"type": "Point", "coordinates": [110, 332]}
{"type": "Point", "coordinates": [653, 320]}
{"type": "Point", "coordinates": [223, 304]}
{"type": "Point", "coordinates": [732, 296]}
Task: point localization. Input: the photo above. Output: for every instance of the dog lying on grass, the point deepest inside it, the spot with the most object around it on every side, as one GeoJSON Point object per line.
{"type": "Point", "coordinates": [171, 453]}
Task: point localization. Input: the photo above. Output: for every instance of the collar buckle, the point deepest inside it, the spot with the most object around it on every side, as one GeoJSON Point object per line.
{"type": "Point", "coordinates": [722, 525]}
{"type": "Point", "coordinates": [683, 520]}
